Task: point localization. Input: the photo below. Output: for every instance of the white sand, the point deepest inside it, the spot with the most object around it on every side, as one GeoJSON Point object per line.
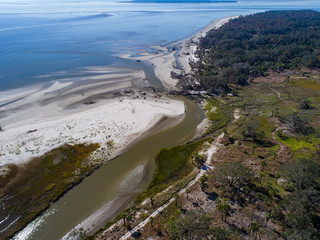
{"type": "Point", "coordinates": [165, 62]}
{"type": "Point", "coordinates": [189, 45]}
{"type": "Point", "coordinates": [122, 122]}
{"type": "Point", "coordinates": [44, 120]}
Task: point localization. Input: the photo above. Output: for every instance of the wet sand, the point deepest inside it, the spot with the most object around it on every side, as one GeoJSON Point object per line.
{"type": "Point", "coordinates": [107, 109]}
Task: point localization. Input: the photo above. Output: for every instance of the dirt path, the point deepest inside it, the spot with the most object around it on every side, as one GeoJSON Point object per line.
{"type": "Point", "coordinates": [281, 146]}
{"type": "Point", "coordinates": [277, 92]}
{"type": "Point", "coordinates": [212, 150]}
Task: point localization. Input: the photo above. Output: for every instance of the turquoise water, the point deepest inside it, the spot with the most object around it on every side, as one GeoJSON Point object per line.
{"type": "Point", "coordinates": [41, 41]}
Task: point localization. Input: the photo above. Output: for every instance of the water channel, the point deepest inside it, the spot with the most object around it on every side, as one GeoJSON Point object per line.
{"type": "Point", "coordinates": [120, 180]}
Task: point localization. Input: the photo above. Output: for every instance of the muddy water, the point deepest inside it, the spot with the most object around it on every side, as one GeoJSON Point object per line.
{"type": "Point", "coordinates": [121, 178]}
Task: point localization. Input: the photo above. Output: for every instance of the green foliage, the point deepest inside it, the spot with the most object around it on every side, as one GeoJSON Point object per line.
{"type": "Point", "coordinates": [254, 131]}
{"type": "Point", "coordinates": [297, 208]}
{"type": "Point", "coordinates": [309, 85]}
{"type": "Point", "coordinates": [203, 182]}
{"type": "Point", "coordinates": [223, 207]}
{"type": "Point", "coordinates": [192, 225]}
{"type": "Point", "coordinates": [221, 234]}
{"type": "Point", "coordinates": [303, 174]}
{"type": "Point", "coordinates": [298, 143]}
{"type": "Point", "coordinates": [250, 46]}
{"type": "Point", "coordinates": [300, 125]}
{"type": "Point", "coordinates": [44, 179]}
{"type": "Point", "coordinates": [172, 164]}
{"type": "Point", "coordinates": [199, 159]}
{"type": "Point", "coordinates": [218, 113]}
{"type": "Point", "coordinates": [305, 104]}
{"type": "Point", "coordinates": [232, 176]}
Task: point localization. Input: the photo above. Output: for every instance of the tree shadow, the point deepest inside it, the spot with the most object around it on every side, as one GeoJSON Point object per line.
{"type": "Point", "coordinates": [212, 196]}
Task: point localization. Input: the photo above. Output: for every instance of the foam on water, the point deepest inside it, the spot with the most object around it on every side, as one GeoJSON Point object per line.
{"type": "Point", "coordinates": [27, 232]}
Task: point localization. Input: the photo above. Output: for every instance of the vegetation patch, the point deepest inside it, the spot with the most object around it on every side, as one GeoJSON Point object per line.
{"type": "Point", "coordinates": [172, 164]}
{"type": "Point", "coordinates": [310, 84]}
{"type": "Point", "coordinates": [31, 188]}
{"type": "Point", "coordinates": [297, 143]}
{"type": "Point", "coordinates": [248, 47]}
{"type": "Point", "coordinates": [217, 113]}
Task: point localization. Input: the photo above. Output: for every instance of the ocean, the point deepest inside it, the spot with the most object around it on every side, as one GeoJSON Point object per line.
{"type": "Point", "coordinates": [51, 40]}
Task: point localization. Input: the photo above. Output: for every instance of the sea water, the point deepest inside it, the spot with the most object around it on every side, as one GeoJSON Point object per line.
{"type": "Point", "coordinates": [45, 41]}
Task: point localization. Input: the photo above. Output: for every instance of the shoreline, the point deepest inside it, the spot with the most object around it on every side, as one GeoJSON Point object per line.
{"type": "Point", "coordinates": [68, 114]}
{"type": "Point", "coordinates": [168, 83]}
{"type": "Point", "coordinates": [165, 60]}
{"type": "Point", "coordinates": [162, 63]}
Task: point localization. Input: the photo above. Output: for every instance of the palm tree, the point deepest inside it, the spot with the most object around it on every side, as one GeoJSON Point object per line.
{"type": "Point", "coordinates": [152, 202]}
{"type": "Point", "coordinates": [203, 182]}
{"type": "Point", "coordinates": [263, 164]}
{"type": "Point", "coordinates": [223, 207]}
{"type": "Point", "coordinates": [254, 227]}
{"type": "Point", "coordinates": [188, 191]}
{"type": "Point", "coordinates": [151, 221]}
{"type": "Point", "coordinates": [176, 196]}
{"type": "Point", "coordinates": [254, 148]}
{"type": "Point", "coordinates": [277, 176]}
{"type": "Point", "coordinates": [126, 217]}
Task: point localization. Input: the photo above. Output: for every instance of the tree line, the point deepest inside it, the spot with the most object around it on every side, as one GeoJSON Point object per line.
{"type": "Point", "coordinates": [252, 45]}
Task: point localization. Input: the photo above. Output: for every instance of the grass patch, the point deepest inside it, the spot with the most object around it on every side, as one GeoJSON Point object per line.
{"type": "Point", "coordinates": [218, 113]}
{"type": "Point", "coordinates": [273, 181]}
{"type": "Point", "coordinates": [266, 126]}
{"type": "Point", "coordinates": [295, 144]}
{"type": "Point", "coordinates": [310, 84]}
{"type": "Point", "coordinates": [172, 164]}
{"type": "Point", "coordinates": [42, 181]}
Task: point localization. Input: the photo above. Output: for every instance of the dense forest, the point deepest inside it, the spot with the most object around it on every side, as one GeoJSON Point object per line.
{"type": "Point", "coordinates": [253, 45]}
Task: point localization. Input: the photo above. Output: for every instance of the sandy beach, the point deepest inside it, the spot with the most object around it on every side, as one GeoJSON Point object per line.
{"type": "Point", "coordinates": [70, 113]}
{"type": "Point", "coordinates": [178, 61]}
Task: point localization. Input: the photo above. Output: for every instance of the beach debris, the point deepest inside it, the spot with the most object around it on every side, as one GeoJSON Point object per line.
{"type": "Point", "coordinates": [31, 131]}
{"type": "Point", "coordinates": [129, 91]}
{"type": "Point", "coordinates": [89, 102]}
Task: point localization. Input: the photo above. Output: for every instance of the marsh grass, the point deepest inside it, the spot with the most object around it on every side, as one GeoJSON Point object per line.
{"type": "Point", "coordinates": [218, 113]}
{"type": "Point", "coordinates": [310, 84]}
{"type": "Point", "coordinates": [32, 187]}
{"type": "Point", "coordinates": [171, 165]}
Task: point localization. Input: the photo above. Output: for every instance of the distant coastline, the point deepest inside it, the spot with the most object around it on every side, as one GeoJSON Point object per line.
{"type": "Point", "coordinates": [183, 1]}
